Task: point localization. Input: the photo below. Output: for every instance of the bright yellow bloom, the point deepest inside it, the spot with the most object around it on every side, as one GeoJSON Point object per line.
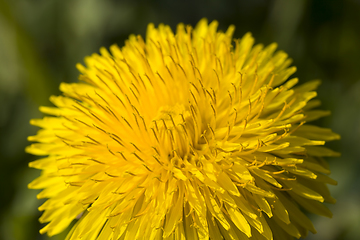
{"type": "Point", "coordinates": [183, 136]}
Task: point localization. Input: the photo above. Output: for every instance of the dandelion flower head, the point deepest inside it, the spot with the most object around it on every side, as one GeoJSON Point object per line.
{"type": "Point", "coordinates": [186, 135]}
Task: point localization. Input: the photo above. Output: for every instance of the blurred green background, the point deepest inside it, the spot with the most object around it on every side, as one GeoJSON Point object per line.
{"type": "Point", "coordinates": [42, 40]}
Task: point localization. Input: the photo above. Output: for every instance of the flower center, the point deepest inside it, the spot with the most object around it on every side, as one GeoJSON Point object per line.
{"type": "Point", "coordinates": [174, 131]}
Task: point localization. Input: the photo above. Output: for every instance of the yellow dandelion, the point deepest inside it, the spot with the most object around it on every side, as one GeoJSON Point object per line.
{"type": "Point", "coordinates": [180, 136]}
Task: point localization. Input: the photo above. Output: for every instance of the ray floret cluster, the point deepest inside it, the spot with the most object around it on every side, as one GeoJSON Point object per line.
{"type": "Point", "coordinates": [187, 135]}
